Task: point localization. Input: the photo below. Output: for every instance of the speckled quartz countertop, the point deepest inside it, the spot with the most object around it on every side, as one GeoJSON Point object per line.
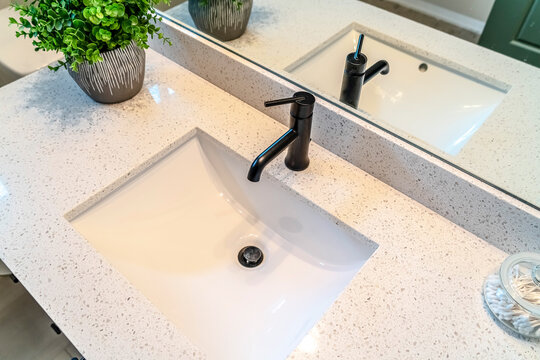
{"type": "Point", "coordinates": [418, 297]}
{"type": "Point", "coordinates": [504, 151]}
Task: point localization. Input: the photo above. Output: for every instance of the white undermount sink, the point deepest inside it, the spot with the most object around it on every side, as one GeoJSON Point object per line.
{"type": "Point", "coordinates": [175, 231]}
{"type": "Point", "coordinates": [435, 104]}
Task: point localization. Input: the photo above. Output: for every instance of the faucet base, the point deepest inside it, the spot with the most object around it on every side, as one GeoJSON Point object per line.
{"type": "Point", "coordinates": [296, 165]}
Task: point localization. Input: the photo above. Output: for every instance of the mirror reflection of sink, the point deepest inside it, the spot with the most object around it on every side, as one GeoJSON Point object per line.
{"type": "Point", "coordinates": [440, 106]}
{"type": "Point", "coordinates": [175, 231]}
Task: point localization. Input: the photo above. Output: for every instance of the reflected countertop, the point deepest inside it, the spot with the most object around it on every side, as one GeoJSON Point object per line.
{"type": "Point", "coordinates": [418, 297]}
{"type": "Point", "coordinates": [505, 149]}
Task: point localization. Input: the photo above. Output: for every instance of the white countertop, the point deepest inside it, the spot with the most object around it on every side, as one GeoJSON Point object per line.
{"type": "Point", "coordinates": [418, 297]}
{"type": "Point", "coordinates": [504, 151]}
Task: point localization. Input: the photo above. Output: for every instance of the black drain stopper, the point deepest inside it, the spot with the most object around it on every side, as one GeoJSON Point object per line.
{"type": "Point", "coordinates": [250, 256]}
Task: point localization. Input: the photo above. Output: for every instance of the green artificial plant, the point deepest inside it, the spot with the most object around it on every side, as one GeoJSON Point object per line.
{"type": "Point", "coordinates": [83, 29]}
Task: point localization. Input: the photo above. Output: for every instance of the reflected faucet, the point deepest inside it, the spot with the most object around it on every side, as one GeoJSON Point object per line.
{"type": "Point", "coordinates": [355, 74]}
{"type": "Point", "coordinates": [297, 138]}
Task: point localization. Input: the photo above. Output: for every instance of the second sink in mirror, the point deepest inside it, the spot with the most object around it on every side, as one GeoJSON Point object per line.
{"type": "Point", "coordinates": [435, 104]}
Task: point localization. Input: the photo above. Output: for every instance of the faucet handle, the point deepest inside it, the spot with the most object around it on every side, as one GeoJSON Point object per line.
{"type": "Point", "coordinates": [359, 46]}
{"type": "Point", "coordinates": [302, 104]}
{"type": "Point", "coordinates": [283, 101]}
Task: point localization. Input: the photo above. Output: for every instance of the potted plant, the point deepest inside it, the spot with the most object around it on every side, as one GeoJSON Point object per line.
{"type": "Point", "coordinates": [103, 41]}
{"type": "Point", "coordinates": [224, 19]}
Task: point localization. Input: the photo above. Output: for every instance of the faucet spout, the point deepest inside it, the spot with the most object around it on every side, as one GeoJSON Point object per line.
{"type": "Point", "coordinates": [260, 162]}
{"type": "Point", "coordinates": [380, 66]}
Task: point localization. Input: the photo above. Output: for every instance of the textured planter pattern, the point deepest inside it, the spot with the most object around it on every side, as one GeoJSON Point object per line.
{"type": "Point", "coordinates": [118, 78]}
{"type": "Point", "coordinates": [222, 19]}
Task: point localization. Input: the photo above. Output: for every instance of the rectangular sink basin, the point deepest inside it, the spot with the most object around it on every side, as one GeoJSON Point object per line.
{"type": "Point", "coordinates": [175, 232]}
{"type": "Point", "coordinates": [435, 104]}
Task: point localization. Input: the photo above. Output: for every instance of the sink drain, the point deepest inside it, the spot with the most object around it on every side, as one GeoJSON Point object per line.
{"type": "Point", "coordinates": [250, 256]}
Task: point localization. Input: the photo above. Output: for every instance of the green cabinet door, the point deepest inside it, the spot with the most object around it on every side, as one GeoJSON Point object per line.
{"type": "Point", "coordinates": [513, 29]}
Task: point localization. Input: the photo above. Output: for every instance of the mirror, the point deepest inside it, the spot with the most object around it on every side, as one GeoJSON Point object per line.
{"type": "Point", "coordinates": [408, 77]}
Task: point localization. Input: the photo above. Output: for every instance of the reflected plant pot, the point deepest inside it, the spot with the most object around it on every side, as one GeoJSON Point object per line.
{"type": "Point", "coordinates": [4, 269]}
{"type": "Point", "coordinates": [119, 77]}
{"type": "Point", "coordinates": [223, 19]}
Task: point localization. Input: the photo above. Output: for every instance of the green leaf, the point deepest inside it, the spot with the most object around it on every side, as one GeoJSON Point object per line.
{"type": "Point", "coordinates": [115, 10]}
{"type": "Point", "coordinates": [78, 23]}
{"type": "Point", "coordinates": [24, 22]}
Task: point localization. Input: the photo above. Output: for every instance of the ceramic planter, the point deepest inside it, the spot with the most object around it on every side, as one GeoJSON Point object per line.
{"type": "Point", "coordinates": [118, 78]}
{"type": "Point", "coordinates": [223, 19]}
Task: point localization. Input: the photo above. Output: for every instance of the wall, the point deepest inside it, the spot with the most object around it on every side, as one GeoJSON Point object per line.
{"type": "Point", "coordinates": [477, 9]}
{"type": "Point", "coordinates": [468, 14]}
{"type": "Point", "coordinates": [163, 6]}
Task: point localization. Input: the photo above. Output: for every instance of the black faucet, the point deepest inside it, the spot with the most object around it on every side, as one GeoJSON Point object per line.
{"type": "Point", "coordinates": [297, 138]}
{"type": "Point", "coordinates": [355, 74]}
